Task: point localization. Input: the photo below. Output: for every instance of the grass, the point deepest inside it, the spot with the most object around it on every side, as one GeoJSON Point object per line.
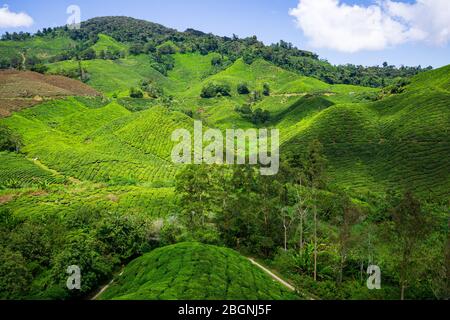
{"type": "Point", "coordinates": [106, 43]}
{"type": "Point", "coordinates": [193, 271]}
{"type": "Point", "coordinates": [116, 76]}
{"type": "Point", "coordinates": [42, 47]}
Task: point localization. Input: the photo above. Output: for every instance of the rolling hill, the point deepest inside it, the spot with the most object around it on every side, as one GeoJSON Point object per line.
{"type": "Point", "coordinates": [195, 272]}
{"type": "Point", "coordinates": [92, 148]}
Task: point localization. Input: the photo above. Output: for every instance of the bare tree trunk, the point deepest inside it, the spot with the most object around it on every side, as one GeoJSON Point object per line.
{"type": "Point", "coordinates": [361, 272]}
{"type": "Point", "coordinates": [285, 234]}
{"type": "Point", "coordinates": [402, 295]}
{"type": "Point", "coordinates": [341, 270]}
{"type": "Point", "coordinates": [301, 232]}
{"type": "Point", "coordinates": [315, 243]}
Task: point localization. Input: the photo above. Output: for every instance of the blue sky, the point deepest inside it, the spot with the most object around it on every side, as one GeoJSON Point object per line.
{"type": "Point", "coordinates": [413, 42]}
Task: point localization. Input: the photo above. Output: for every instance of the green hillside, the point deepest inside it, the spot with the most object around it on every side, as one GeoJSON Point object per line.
{"type": "Point", "coordinates": [90, 180]}
{"type": "Point", "coordinates": [195, 272]}
{"type": "Point", "coordinates": [106, 43]}
{"type": "Point", "coordinates": [387, 142]}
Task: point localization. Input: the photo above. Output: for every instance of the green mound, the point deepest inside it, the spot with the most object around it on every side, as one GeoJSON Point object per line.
{"type": "Point", "coordinates": [194, 271]}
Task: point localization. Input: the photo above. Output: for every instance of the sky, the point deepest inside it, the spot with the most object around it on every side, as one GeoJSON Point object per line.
{"type": "Point", "coordinates": [366, 32]}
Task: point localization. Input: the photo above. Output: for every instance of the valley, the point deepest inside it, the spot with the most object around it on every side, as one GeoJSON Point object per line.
{"type": "Point", "coordinates": [87, 176]}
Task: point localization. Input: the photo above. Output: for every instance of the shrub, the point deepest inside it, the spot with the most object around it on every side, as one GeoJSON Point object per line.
{"type": "Point", "coordinates": [167, 48]}
{"type": "Point", "coordinates": [266, 89]}
{"type": "Point", "coordinates": [40, 68]}
{"type": "Point", "coordinates": [216, 61]}
{"type": "Point", "coordinates": [212, 90]}
{"type": "Point", "coordinates": [9, 141]}
{"type": "Point", "coordinates": [136, 49]}
{"type": "Point", "coordinates": [136, 93]}
{"type": "Point", "coordinates": [242, 88]}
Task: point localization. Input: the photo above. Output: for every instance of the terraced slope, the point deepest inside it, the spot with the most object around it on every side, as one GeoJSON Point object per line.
{"type": "Point", "coordinates": [42, 47]}
{"type": "Point", "coordinates": [17, 171]}
{"type": "Point", "coordinates": [400, 141]}
{"type": "Point", "coordinates": [193, 271]}
{"type": "Point", "coordinates": [106, 144]}
{"type": "Point", "coordinates": [116, 76]}
{"type": "Point", "coordinates": [106, 43]}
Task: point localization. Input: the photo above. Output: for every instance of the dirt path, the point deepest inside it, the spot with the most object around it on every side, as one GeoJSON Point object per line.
{"type": "Point", "coordinates": [103, 289]}
{"type": "Point", "coordinates": [24, 61]}
{"type": "Point", "coordinates": [277, 278]}
{"type": "Point", "coordinates": [274, 276]}
{"type": "Point", "coordinates": [44, 167]}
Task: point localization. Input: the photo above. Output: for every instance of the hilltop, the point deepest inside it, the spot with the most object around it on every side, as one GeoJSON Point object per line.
{"type": "Point", "coordinates": [194, 271]}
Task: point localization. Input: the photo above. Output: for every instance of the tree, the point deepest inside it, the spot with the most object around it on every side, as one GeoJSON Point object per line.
{"type": "Point", "coordinates": [150, 47]}
{"type": "Point", "coordinates": [266, 89]}
{"type": "Point", "coordinates": [260, 116]}
{"type": "Point", "coordinates": [122, 236]}
{"type": "Point", "coordinates": [136, 48]}
{"type": "Point", "coordinates": [40, 68]}
{"type": "Point", "coordinates": [216, 61]}
{"type": "Point", "coordinates": [88, 54]}
{"type": "Point", "coordinates": [167, 48]}
{"type": "Point", "coordinates": [302, 211]}
{"type": "Point", "coordinates": [9, 140]}
{"type": "Point", "coordinates": [136, 93]}
{"type": "Point", "coordinates": [288, 217]}
{"type": "Point", "coordinates": [315, 174]}
{"type": "Point", "coordinates": [212, 90]}
{"type": "Point", "coordinates": [242, 88]}
{"type": "Point", "coordinates": [315, 165]}
{"type": "Point", "coordinates": [15, 279]}
{"type": "Point", "coordinates": [81, 249]}
{"type": "Point", "coordinates": [345, 221]}
{"type": "Point", "coordinates": [195, 187]}
{"type": "Point", "coordinates": [410, 226]}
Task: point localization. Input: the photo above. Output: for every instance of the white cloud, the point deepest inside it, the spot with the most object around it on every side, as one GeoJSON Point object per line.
{"type": "Point", "coordinates": [350, 28]}
{"type": "Point", "coordinates": [9, 19]}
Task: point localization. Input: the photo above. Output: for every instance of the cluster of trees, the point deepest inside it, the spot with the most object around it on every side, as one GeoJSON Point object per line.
{"type": "Point", "coordinates": [160, 42]}
{"type": "Point", "coordinates": [149, 37]}
{"type": "Point", "coordinates": [16, 36]}
{"type": "Point", "coordinates": [9, 140]}
{"type": "Point", "coordinates": [136, 93]}
{"type": "Point", "coordinates": [257, 116]}
{"type": "Point", "coordinates": [212, 90]}
{"type": "Point", "coordinates": [311, 231]}
{"type": "Point", "coordinates": [151, 88]}
{"type": "Point", "coordinates": [25, 62]}
{"type": "Point", "coordinates": [97, 241]}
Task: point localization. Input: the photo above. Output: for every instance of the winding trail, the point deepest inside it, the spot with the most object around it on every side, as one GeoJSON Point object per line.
{"type": "Point", "coordinates": [274, 276]}
{"type": "Point", "coordinates": [103, 289]}
{"type": "Point", "coordinates": [277, 278]}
